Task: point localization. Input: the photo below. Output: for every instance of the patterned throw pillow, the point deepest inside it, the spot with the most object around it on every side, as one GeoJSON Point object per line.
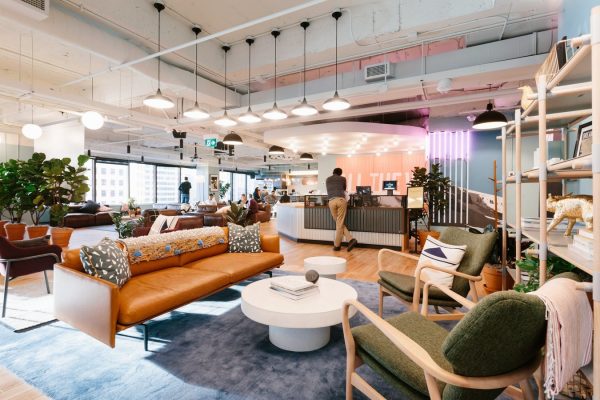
{"type": "Point", "coordinates": [442, 255]}
{"type": "Point", "coordinates": [244, 239]}
{"type": "Point", "coordinates": [106, 261]}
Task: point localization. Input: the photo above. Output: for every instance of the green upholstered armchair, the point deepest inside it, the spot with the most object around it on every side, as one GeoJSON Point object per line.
{"type": "Point", "coordinates": [497, 344]}
{"type": "Point", "coordinates": [404, 287]}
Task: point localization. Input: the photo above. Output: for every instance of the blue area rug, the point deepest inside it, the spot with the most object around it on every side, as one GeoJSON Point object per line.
{"type": "Point", "coordinates": [206, 350]}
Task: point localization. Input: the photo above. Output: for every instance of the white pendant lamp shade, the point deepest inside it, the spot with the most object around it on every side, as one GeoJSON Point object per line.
{"type": "Point", "coordinates": [304, 109]}
{"type": "Point", "coordinates": [225, 121]}
{"type": "Point", "coordinates": [196, 112]}
{"type": "Point", "coordinates": [275, 113]}
{"type": "Point", "coordinates": [92, 120]}
{"type": "Point", "coordinates": [249, 117]}
{"type": "Point", "coordinates": [31, 131]}
{"type": "Point", "coordinates": [159, 101]}
{"type": "Point", "coordinates": [336, 103]}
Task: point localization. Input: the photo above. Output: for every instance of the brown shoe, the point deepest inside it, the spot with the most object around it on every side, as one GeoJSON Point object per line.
{"type": "Point", "coordinates": [351, 244]}
{"type": "Point", "coordinates": [337, 248]}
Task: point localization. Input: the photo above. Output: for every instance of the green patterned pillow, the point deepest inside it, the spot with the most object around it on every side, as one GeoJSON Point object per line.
{"type": "Point", "coordinates": [244, 239]}
{"type": "Point", "coordinates": [106, 261]}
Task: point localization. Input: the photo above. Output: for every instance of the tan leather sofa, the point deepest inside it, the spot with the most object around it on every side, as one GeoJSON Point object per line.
{"type": "Point", "coordinates": [101, 309]}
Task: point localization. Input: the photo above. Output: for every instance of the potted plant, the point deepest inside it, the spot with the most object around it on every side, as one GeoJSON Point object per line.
{"type": "Point", "coordinates": [223, 188]}
{"type": "Point", "coordinates": [238, 215]}
{"type": "Point", "coordinates": [132, 207]}
{"type": "Point", "coordinates": [531, 265]}
{"type": "Point", "coordinates": [65, 183]}
{"type": "Point", "coordinates": [34, 193]}
{"type": "Point", "coordinates": [125, 228]}
{"type": "Point", "coordinates": [435, 187]}
{"type": "Point", "coordinates": [11, 194]}
{"type": "Point", "coordinates": [492, 270]}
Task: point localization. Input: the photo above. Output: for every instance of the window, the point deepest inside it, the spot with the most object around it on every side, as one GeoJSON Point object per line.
{"type": "Point", "coordinates": [196, 186]}
{"type": "Point", "coordinates": [109, 193]}
{"type": "Point", "coordinates": [89, 172]}
{"type": "Point", "coordinates": [239, 186]}
{"type": "Point", "coordinates": [225, 177]}
{"type": "Point", "coordinates": [251, 184]}
{"type": "Point", "coordinates": [143, 185]}
{"type": "Point", "coordinates": [167, 185]}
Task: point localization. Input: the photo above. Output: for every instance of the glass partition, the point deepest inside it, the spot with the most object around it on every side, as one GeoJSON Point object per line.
{"type": "Point", "coordinates": [142, 186]}
{"type": "Point", "coordinates": [167, 185]}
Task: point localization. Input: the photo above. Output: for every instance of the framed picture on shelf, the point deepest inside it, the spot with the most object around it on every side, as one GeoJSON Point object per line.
{"type": "Point", "coordinates": [213, 183]}
{"type": "Point", "coordinates": [583, 145]}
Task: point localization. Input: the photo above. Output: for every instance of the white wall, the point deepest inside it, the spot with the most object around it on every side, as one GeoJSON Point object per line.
{"type": "Point", "coordinates": [326, 166]}
{"type": "Point", "coordinates": [62, 140]}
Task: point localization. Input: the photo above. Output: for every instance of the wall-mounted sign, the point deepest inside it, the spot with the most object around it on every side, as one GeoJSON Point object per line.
{"type": "Point", "coordinates": [211, 142]}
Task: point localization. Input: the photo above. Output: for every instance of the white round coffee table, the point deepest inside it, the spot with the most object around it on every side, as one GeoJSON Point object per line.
{"type": "Point", "coordinates": [326, 266]}
{"type": "Point", "coordinates": [297, 325]}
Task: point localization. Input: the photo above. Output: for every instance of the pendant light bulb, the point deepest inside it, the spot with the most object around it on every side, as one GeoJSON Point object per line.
{"type": "Point", "coordinates": [249, 117]}
{"type": "Point", "coordinates": [336, 103]}
{"type": "Point", "coordinates": [92, 120]}
{"type": "Point", "coordinates": [196, 112]}
{"type": "Point", "coordinates": [158, 100]}
{"type": "Point", "coordinates": [304, 109]}
{"type": "Point", "coordinates": [31, 131]}
{"type": "Point", "coordinates": [275, 113]}
{"type": "Point", "coordinates": [225, 121]}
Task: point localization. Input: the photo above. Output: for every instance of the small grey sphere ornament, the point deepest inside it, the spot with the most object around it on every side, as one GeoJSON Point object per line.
{"type": "Point", "coordinates": [312, 276]}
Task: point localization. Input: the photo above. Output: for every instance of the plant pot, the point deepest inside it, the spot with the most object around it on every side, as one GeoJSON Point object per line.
{"type": "Point", "coordinates": [423, 236]}
{"type": "Point", "coordinates": [492, 279]}
{"type": "Point", "coordinates": [15, 231]}
{"type": "Point", "coordinates": [2, 231]}
{"type": "Point", "coordinates": [35, 231]}
{"type": "Point", "coordinates": [61, 236]}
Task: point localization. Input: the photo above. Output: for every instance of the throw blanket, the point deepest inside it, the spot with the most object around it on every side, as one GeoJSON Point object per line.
{"type": "Point", "coordinates": [569, 332]}
{"type": "Point", "coordinates": [156, 247]}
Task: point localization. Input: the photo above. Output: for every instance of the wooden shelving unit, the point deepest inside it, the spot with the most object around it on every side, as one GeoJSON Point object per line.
{"type": "Point", "coordinates": [564, 96]}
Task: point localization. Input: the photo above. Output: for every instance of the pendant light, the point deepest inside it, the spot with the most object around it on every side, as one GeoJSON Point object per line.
{"type": "Point", "coordinates": [336, 103]}
{"type": "Point", "coordinates": [275, 113]}
{"type": "Point", "coordinates": [31, 131]}
{"type": "Point", "coordinates": [92, 119]}
{"type": "Point", "coordinates": [304, 109]}
{"type": "Point", "coordinates": [225, 120]}
{"type": "Point", "coordinates": [196, 112]}
{"type": "Point", "coordinates": [232, 138]}
{"type": "Point", "coordinates": [490, 119]}
{"type": "Point", "coordinates": [249, 117]}
{"type": "Point", "coordinates": [276, 150]}
{"type": "Point", "coordinates": [158, 100]}
{"type": "Point", "coordinates": [306, 157]}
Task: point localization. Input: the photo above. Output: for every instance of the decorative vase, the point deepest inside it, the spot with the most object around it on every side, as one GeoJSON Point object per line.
{"type": "Point", "coordinates": [492, 279]}
{"type": "Point", "coordinates": [35, 231]}
{"type": "Point", "coordinates": [15, 231]}
{"type": "Point", "coordinates": [61, 236]}
{"type": "Point", "coordinates": [423, 236]}
{"type": "Point", "coordinates": [2, 231]}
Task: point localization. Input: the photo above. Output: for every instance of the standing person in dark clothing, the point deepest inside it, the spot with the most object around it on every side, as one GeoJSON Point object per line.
{"type": "Point", "coordinates": [336, 193]}
{"type": "Point", "coordinates": [256, 194]}
{"type": "Point", "coordinates": [184, 190]}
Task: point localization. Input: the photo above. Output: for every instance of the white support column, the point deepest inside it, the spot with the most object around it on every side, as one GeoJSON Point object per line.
{"type": "Point", "coordinates": [595, 28]}
{"type": "Point", "coordinates": [518, 188]}
{"type": "Point", "coordinates": [543, 181]}
{"type": "Point", "coordinates": [504, 212]}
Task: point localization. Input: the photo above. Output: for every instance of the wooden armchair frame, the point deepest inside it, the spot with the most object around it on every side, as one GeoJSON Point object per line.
{"type": "Point", "coordinates": [433, 372]}
{"type": "Point", "coordinates": [452, 313]}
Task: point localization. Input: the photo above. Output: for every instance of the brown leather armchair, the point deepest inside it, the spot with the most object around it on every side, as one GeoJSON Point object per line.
{"type": "Point", "coordinates": [150, 215]}
{"type": "Point", "coordinates": [20, 261]}
{"type": "Point", "coordinates": [184, 222]}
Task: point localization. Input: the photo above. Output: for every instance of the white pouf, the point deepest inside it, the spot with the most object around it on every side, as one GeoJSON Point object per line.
{"type": "Point", "coordinates": [326, 266]}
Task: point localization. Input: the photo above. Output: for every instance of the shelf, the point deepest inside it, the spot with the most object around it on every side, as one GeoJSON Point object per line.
{"type": "Point", "coordinates": [576, 168]}
{"type": "Point", "coordinates": [557, 245]}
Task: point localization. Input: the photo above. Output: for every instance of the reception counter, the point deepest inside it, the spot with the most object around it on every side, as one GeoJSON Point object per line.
{"type": "Point", "coordinates": [377, 224]}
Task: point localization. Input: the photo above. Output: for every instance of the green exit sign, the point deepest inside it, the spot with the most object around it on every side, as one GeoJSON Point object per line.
{"type": "Point", "coordinates": [210, 142]}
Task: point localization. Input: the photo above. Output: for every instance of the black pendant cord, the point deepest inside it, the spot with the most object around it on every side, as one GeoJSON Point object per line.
{"type": "Point", "coordinates": [275, 34]}
{"type": "Point", "coordinates": [159, 10]}
{"type": "Point", "coordinates": [304, 25]}
{"type": "Point", "coordinates": [336, 15]}
{"type": "Point", "coordinates": [225, 49]}
{"type": "Point", "coordinates": [250, 41]}
{"type": "Point", "coordinates": [197, 32]}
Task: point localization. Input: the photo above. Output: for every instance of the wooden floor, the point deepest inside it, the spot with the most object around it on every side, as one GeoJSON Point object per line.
{"type": "Point", "coordinates": [14, 388]}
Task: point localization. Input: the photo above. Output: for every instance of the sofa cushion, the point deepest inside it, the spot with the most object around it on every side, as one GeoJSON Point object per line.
{"type": "Point", "coordinates": [35, 242]}
{"type": "Point", "coordinates": [238, 266]}
{"type": "Point", "coordinates": [106, 261]}
{"type": "Point", "coordinates": [148, 295]}
{"type": "Point", "coordinates": [89, 207]}
{"type": "Point", "coordinates": [244, 239]}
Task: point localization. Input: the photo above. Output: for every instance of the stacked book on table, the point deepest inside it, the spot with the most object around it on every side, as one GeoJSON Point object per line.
{"type": "Point", "coordinates": [294, 287]}
{"type": "Point", "coordinates": [583, 244]}
{"type": "Point", "coordinates": [534, 223]}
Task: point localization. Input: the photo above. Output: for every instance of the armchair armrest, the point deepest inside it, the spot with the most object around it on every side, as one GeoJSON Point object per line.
{"type": "Point", "coordinates": [422, 358]}
{"type": "Point", "coordinates": [448, 271]}
{"type": "Point", "coordinates": [453, 295]}
{"type": "Point", "coordinates": [87, 303]}
{"type": "Point", "coordinates": [269, 243]}
{"type": "Point", "coordinates": [382, 252]}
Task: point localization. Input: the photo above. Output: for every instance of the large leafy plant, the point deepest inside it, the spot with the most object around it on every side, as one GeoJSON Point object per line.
{"type": "Point", "coordinates": [65, 183]}
{"type": "Point", "coordinates": [238, 215]}
{"type": "Point", "coordinates": [34, 188]}
{"type": "Point", "coordinates": [125, 228]}
{"type": "Point", "coordinates": [11, 190]}
{"type": "Point", "coordinates": [530, 264]}
{"type": "Point", "coordinates": [435, 187]}
{"type": "Point", "coordinates": [223, 188]}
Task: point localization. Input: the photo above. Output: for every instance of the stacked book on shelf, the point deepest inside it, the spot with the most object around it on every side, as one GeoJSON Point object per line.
{"type": "Point", "coordinates": [534, 223]}
{"type": "Point", "coordinates": [294, 287]}
{"type": "Point", "coordinates": [583, 243]}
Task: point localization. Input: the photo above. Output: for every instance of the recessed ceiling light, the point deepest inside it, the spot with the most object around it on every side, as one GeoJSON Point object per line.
{"type": "Point", "coordinates": [349, 155]}
{"type": "Point", "coordinates": [385, 150]}
{"type": "Point", "coordinates": [378, 154]}
{"type": "Point", "coordinates": [410, 152]}
{"type": "Point", "coordinates": [323, 153]}
{"type": "Point", "coordinates": [364, 139]}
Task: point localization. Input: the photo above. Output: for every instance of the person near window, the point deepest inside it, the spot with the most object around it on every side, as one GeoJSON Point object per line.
{"type": "Point", "coordinates": [250, 204]}
{"type": "Point", "coordinates": [271, 198]}
{"type": "Point", "coordinates": [211, 200]}
{"type": "Point", "coordinates": [184, 190]}
{"type": "Point", "coordinates": [256, 194]}
{"type": "Point", "coordinates": [336, 193]}
{"type": "Point", "coordinates": [243, 200]}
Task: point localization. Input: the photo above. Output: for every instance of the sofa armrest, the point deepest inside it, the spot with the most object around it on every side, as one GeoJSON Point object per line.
{"type": "Point", "coordinates": [269, 243]}
{"type": "Point", "coordinates": [140, 231]}
{"type": "Point", "coordinates": [87, 303]}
